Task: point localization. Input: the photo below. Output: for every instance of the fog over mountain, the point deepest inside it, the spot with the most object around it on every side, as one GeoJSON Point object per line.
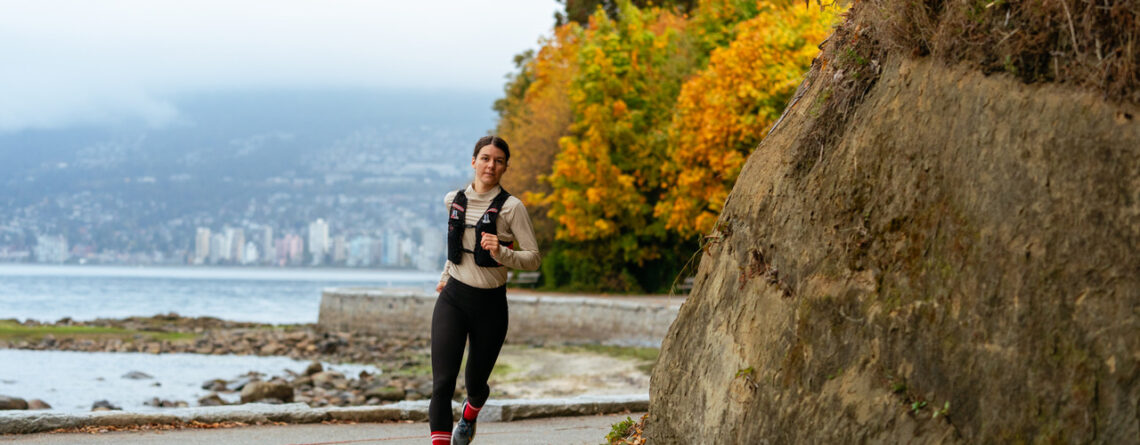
{"type": "Point", "coordinates": [242, 134]}
{"type": "Point", "coordinates": [270, 157]}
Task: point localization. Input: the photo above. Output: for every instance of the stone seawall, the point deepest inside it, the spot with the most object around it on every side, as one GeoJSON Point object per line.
{"type": "Point", "coordinates": [533, 319]}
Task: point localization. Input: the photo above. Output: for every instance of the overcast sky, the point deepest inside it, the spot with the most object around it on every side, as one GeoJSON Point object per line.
{"type": "Point", "coordinates": [68, 62]}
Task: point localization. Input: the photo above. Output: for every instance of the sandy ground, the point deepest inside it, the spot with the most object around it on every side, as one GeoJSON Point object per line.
{"type": "Point", "coordinates": [528, 372]}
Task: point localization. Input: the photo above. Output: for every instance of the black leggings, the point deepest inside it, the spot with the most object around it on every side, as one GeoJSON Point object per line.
{"type": "Point", "coordinates": [464, 313]}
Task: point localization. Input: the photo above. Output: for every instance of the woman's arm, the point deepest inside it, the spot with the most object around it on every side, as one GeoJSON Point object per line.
{"type": "Point", "coordinates": [443, 278]}
{"type": "Point", "coordinates": [527, 257]}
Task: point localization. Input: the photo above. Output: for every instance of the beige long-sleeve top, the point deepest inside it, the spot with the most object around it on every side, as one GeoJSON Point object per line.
{"type": "Point", "coordinates": [513, 224]}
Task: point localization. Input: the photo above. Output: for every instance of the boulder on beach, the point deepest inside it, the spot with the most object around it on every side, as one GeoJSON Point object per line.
{"type": "Point", "coordinates": [240, 383]}
{"type": "Point", "coordinates": [330, 345]}
{"type": "Point", "coordinates": [386, 393]}
{"type": "Point", "coordinates": [214, 385]}
{"type": "Point", "coordinates": [104, 405]}
{"type": "Point", "coordinates": [211, 400]}
{"type": "Point", "coordinates": [137, 375]}
{"type": "Point", "coordinates": [36, 404]}
{"type": "Point", "coordinates": [326, 378]}
{"type": "Point", "coordinates": [258, 391]}
{"type": "Point", "coordinates": [163, 403]}
{"type": "Point", "coordinates": [10, 403]}
{"type": "Point", "coordinates": [302, 381]}
{"type": "Point", "coordinates": [272, 348]}
{"type": "Point", "coordinates": [424, 388]}
{"type": "Point", "coordinates": [314, 368]}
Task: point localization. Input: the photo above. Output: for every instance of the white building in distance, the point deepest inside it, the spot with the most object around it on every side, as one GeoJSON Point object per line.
{"type": "Point", "coordinates": [202, 245]}
{"type": "Point", "coordinates": [250, 255]}
{"type": "Point", "coordinates": [51, 249]}
{"type": "Point", "coordinates": [218, 248]}
{"type": "Point", "coordinates": [318, 240]}
{"type": "Point", "coordinates": [268, 248]}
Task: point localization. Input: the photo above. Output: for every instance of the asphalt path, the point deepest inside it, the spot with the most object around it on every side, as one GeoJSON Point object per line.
{"type": "Point", "coordinates": [557, 430]}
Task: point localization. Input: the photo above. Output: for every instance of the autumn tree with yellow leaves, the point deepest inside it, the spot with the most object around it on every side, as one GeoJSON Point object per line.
{"type": "Point", "coordinates": [534, 115]}
{"type": "Point", "coordinates": [632, 129]}
{"type": "Point", "coordinates": [723, 112]}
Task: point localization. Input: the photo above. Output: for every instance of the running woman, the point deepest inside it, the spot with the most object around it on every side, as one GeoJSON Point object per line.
{"type": "Point", "coordinates": [484, 222]}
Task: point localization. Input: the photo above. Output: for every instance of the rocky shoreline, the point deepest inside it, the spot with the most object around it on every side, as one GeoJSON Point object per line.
{"type": "Point", "coordinates": [403, 359]}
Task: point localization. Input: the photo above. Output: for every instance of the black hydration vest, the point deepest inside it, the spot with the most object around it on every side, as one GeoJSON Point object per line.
{"type": "Point", "coordinates": [457, 223]}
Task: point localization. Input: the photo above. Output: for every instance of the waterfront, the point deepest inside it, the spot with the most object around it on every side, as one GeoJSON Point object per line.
{"type": "Point", "coordinates": [264, 295]}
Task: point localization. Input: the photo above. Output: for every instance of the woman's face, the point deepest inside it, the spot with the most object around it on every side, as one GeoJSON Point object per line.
{"type": "Point", "coordinates": [489, 164]}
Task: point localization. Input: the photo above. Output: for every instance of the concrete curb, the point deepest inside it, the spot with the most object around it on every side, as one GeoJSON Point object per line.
{"type": "Point", "coordinates": [27, 422]}
{"type": "Point", "coordinates": [534, 318]}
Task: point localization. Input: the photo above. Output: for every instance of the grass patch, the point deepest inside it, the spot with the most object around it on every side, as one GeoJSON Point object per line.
{"type": "Point", "coordinates": [647, 356]}
{"type": "Point", "coordinates": [14, 331]}
{"type": "Point", "coordinates": [622, 352]}
{"type": "Point", "coordinates": [502, 370]}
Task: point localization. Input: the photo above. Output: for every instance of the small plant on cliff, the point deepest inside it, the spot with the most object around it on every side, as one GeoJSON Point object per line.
{"type": "Point", "coordinates": [619, 431]}
{"type": "Point", "coordinates": [944, 411]}
{"type": "Point", "coordinates": [747, 374]}
{"type": "Point", "coordinates": [628, 432]}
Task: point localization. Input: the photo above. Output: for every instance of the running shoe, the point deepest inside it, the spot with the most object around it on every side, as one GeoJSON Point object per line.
{"type": "Point", "coordinates": [464, 432]}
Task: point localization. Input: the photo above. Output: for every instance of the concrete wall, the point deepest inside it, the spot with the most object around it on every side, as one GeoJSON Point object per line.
{"type": "Point", "coordinates": [533, 319]}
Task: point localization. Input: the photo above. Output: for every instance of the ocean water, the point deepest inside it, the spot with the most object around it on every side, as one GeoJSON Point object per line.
{"type": "Point", "coordinates": [266, 295]}
{"type": "Point", "coordinates": [72, 381]}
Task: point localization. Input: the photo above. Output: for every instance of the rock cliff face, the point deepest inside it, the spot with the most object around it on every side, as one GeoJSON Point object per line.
{"type": "Point", "coordinates": [959, 261]}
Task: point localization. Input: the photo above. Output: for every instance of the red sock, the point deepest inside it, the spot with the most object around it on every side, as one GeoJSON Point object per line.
{"type": "Point", "coordinates": [441, 438]}
{"type": "Point", "coordinates": [470, 412]}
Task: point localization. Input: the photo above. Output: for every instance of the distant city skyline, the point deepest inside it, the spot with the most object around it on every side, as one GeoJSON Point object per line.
{"type": "Point", "coordinates": [253, 171]}
{"type": "Point", "coordinates": [228, 246]}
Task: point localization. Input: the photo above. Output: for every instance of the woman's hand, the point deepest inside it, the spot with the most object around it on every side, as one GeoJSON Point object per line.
{"type": "Point", "coordinates": [490, 243]}
{"type": "Point", "coordinates": [439, 287]}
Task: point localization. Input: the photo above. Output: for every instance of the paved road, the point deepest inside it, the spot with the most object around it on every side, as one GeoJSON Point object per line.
{"type": "Point", "coordinates": [559, 430]}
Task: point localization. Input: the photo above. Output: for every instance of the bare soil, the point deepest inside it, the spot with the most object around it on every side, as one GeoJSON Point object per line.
{"type": "Point", "coordinates": [528, 372]}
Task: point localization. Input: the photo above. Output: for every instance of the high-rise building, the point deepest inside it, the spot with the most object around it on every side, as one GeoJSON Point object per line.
{"type": "Point", "coordinates": [267, 245]}
{"type": "Point", "coordinates": [51, 249]}
{"type": "Point", "coordinates": [318, 240]}
{"type": "Point", "coordinates": [281, 251]}
{"type": "Point", "coordinates": [218, 248]}
{"type": "Point", "coordinates": [292, 249]}
{"type": "Point", "coordinates": [237, 245]}
{"type": "Point", "coordinates": [398, 249]}
{"type": "Point", "coordinates": [377, 252]}
{"type": "Point", "coordinates": [250, 254]}
{"type": "Point", "coordinates": [227, 245]}
{"type": "Point", "coordinates": [433, 253]}
{"type": "Point", "coordinates": [391, 248]}
{"type": "Point", "coordinates": [407, 252]}
{"type": "Point", "coordinates": [202, 245]}
{"type": "Point", "coordinates": [359, 252]}
{"type": "Point", "coordinates": [339, 249]}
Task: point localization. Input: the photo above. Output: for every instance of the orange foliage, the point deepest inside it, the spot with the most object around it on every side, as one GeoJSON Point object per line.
{"type": "Point", "coordinates": [608, 170]}
{"type": "Point", "coordinates": [723, 112]}
{"type": "Point", "coordinates": [534, 123]}
{"type": "Point", "coordinates": [624, 153]}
